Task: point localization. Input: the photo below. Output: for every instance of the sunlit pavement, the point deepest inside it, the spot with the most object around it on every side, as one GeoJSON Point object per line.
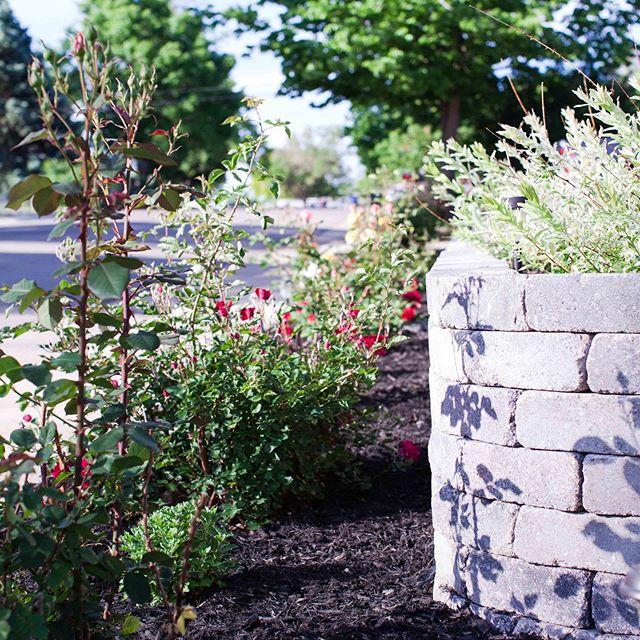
{"type": "Point", "coordinates": [25, 252]}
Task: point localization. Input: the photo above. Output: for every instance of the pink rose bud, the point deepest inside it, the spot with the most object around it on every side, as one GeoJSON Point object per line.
{"type": "Point", "coordinates": [79, 44]}
{"type": "Point", "coordinates": [165, 393]}
{"type": "Point", "coordinates": [27, 418]}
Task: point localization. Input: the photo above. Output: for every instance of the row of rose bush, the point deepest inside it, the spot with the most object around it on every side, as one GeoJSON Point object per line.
{"type": "Point", "coordinates": [173, 400]}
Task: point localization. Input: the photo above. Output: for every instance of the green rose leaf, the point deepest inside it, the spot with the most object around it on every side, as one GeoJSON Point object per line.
{"type": "Point", "coordinates": [46, 201]}
{"type": "Point", "coordinates": [147, 151]}
{"type": "Point", "coordinates": [130, 625]}
{"type": "Point", "coordinates": [107, 441]}
{"type": "Point", "coordinates": [23, 438]}
{"type": "Point", "coordinates": [58, 391]}
{"type": "Point", "coordinates": [26, 189]}
{"type": "Point", "coordinates": [11, 368]}
{"type": "Point", "coordinates": [67, 361]}
{"type": "Point", "coordinates": [142, 438]}
{"type": "Point", "coordinates": [137, 587]}
{"type": "Point", "coordinates": [18, 291]}
{"type": "Point", "coordinates": [169, 200]}
{"type": "Point", "coordinates": [144, 340]}
{"type": "Point", "coordinates": [50, 313]}
{"type": "Point", "coordinates": [37, 374]}
{"type": "Point", "coordinates": [34, 136]}
{"type": "Point", "coordinates": [108, 279]}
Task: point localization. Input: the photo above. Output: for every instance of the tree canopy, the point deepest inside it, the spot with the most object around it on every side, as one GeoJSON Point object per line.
{"type": "Point", "coordinates": [193, 80]}
{"type": "Point", "coordinates": [18, 106]}
{"type": "Point", "coordinates": [444, 62]}
{"type": "Point", "coordinates": [309, 165]}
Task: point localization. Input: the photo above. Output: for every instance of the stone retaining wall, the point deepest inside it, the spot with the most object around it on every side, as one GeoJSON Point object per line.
{"type": "Point", "coordinates": [535, 394]}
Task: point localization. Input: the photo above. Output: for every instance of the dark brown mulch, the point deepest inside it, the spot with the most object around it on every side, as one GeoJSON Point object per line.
{"type": "Point", "coordinates": [358, 566]}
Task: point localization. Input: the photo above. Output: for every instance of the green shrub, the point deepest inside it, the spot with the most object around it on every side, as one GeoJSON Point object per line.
{"type": "Point", "coordinates": [168, 531]}
{"type": "Point", "coordinates": [558, 208]}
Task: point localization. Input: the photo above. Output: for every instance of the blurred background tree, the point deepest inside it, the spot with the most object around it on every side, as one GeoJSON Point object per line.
{"type": "Point", "coordinates": [310, 165]}
{"type": "Point", "coordinates": [443, 63]}
{"type": "Point", "coordinates": [18, 106]}
{"type": "Point", "coordinates": [194, 84]}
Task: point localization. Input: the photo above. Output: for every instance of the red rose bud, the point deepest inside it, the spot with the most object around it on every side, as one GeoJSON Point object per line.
{"type": "Point", "coordinates": [354, 313]}
{"type": "Point", "coordinates": [408, 313]}
{"type": "Point", "coordinates": [311, 317]}
{"type": "Point", "coordinates": [409, 450]}
{"type": "Point", "coordinates": [247, 313]}
{"type": "Point", "coordinates": [160, 132]}
{"type": "Point", "coordinates": [79, 44]}
{"type": "Point", "coordinates": [165, 393]}
{"type": "Point", "coordinates": [263, 294]}
{"type": "Point", "coordinates": [27, 418]}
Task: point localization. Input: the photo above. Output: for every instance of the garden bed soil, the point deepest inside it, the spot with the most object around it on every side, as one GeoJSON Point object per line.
{"type": "Point", "coordinates": [357, 566]}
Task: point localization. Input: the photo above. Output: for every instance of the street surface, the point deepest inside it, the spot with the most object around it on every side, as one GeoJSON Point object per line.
{"type": "Point", "coordinates": [25, 252]}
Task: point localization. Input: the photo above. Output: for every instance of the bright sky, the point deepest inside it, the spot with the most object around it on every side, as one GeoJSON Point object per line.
{"type": "Point", "coordinates": [258, 75]}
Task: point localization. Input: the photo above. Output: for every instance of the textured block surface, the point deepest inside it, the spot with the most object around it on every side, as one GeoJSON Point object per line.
{"type": "Point", "coordinates": [547, 361]}
{"type": "Point", "coordinates": [471, 411]}
{"type": "Point", "coordinates": [542, 478]}
{"type": "Point", "coordinates": [601, 475]}
{"type": "Point", "coordinates": [613, 365]}
{"type": "Point", "coordinates": [585, 422]}
{"type": "Point", "coordinates": [583, 303]}
{"type": "Point", "coordinates": [580, 540]}
{"type": "Point", "coordinates": [552, 594]}
{"type": "Point", "coordinates": [472, 521]}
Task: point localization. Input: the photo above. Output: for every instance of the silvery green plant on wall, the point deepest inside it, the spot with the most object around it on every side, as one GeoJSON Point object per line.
{"type": "Point", "coordinates": [568, 206]}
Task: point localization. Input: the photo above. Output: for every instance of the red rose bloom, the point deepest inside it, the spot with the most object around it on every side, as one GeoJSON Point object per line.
{"type": "Point", "coordinates": [247, 313]}
{"type": "Point", "coordinates": [413, 296]}
{"type": "Point", "coordinates": [409, 313]}
{"type": "Point", "coordinates": [263, 294]}
{"type": "Point", "coordinates": [370, 341]}
{"type": "Point", "coordinates": [409, 450]}
{"type": "Point", "coordinates": [86, 472]}
{"type": "Point", "coordinates": [223, 307]}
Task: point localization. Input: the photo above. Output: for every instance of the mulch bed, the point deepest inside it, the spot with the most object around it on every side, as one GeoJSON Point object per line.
{"type": "Point", "coordinates": [359, 565]}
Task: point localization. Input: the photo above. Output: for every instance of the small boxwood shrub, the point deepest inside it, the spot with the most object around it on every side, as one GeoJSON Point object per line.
{"type": "Point", "coordinates": [168, 531]}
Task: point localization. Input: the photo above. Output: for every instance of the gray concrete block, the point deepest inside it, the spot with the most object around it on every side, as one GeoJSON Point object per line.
{"type": "Point", "coordinates": [502, 622]}
{"type": "Point", "coordinates": [445, 354]}
{"type": "Point", "coordinates": [611, 485]}
{"type": "Point", "coordinates": [612, 613]}
{"type": "Point", "coordinates": [512, 474]}
{"type": "Point", "coordinates": [577, 540]}
{"type": "Point", "coordinates": [471, 411]}
{"type": "Point", "coordinates": [554, 595]}
{"type": "Point", "coordinates": [546, 361]}
{"type": "Point", "coordinates": [584, 303]}
{"type": "Point", "coordinates": [613, 365]}
{"type": "Point", "coordinates": [450, 559]}
{"type": "Point", "coordinates": [530, 627]}
{"type": "Point", "coordinates": [472, 521]}
{"type": "Point", "coordinates": [445, 457]}
{"type": "Point", "coordinates": [477, 298]}
{"type": "Point", "coordinates": [586, 422]}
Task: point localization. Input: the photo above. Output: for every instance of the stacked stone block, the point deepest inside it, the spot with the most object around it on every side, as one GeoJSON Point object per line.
{"type": "Point", "coordinates": [535, 395]}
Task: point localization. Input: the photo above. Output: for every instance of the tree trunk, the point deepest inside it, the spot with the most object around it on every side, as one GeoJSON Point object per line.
{"type": "Point", "coordinates": [450, 117]}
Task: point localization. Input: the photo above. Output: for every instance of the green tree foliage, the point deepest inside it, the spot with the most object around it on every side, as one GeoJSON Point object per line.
{"type": "Point", "coordinates": [18, 106]}
{"type": "Point", "coordinates": [309, 167]}
{"type": "Point", "coordinates": [443, 62]}
{"type": "Point", "coordinates": [193, 81]}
